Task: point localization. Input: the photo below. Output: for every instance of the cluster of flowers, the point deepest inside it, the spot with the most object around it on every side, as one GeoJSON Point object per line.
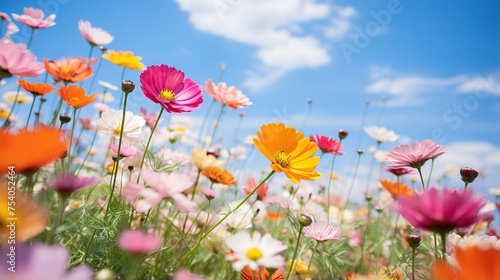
{"type": "Point", "coordinates": [155, 208]}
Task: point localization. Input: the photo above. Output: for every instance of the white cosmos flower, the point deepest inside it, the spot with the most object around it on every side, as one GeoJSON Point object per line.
{"type": "Point", "coordinates": [111, 121]}
{"type": "Point", "coordinates": [22, 97]}
{"type": "Point", "coordinates": [381, 134]}
{"type": "Point", "coordinates": [254, 251]}
{"type": "Point", "coordinates": [107, 85]}
{"type": "Point", "coordinates": [94, 35]}
{"type": "Point", "coordinates": [239, 219]}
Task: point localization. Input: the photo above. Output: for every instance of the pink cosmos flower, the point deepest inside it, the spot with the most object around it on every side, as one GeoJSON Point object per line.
{"type": "Point", "coordinates": [69, 183]}
{"type": "Point", "coordinates": [125, 151]}
{"type": "Point", "coordinates": [440, 211]}
{"type": "Point", "coordinates": [327, 145]}
{"type": "Point", "coordinates": [94, 35]}
{"type": "Point", "coordinates": [138, 242]}
{"type": "Point", "coordinates": [150, 118]}
{"type": "Point", "coordinates": [41, 262]}
{"type": "Point", "coordinates": [171, 185]}
{"type": "Point", "coordinates": [261, 192]}
{"type": "Point", "coordinates": [399, 171]}
{"type": "Point", "coordinates": [86, 123]}
{"type": "Point", "coordinates": [415, 155]}
{"type": "Point", "coordinates": [166, 85]}
{"type": "Point", "coordinates": [182, 274]}
{"type": "Point", "coordinates": [321, 232]}
{"type": "Point", "coordinates": [229, 96]}
{"type": "Point", "coordinates": [209, 193]}
{"type": "Point", "coordinates": [34, 18]}
{"type": "Point", "coordinates": [149, 198]}
{"type": "Point", "coordinates": [15, 60]}
{"type": "Point", "coordinates": [11, 27]}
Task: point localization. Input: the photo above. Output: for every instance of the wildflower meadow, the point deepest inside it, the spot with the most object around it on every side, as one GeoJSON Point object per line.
{"type": "Point", "coordinates": [96, 185]}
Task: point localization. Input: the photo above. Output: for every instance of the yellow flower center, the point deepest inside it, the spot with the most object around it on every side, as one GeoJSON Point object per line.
{"type": "Point", "coordinates": [4, 114]}
{"type": "Point", "coordinates": [65, 70]}
{"type": "Point", "coordinates": [254, 253]}
{"type": "Point", "coordinates": [167, 95]}
{"type": "Point", "coordinates": [282, 158]}
{"type": "Point", "coordinates": [118, 129]}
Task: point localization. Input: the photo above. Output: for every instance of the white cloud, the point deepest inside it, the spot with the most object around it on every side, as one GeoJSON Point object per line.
{"type": "Point", "coordinates": [405, 88]}
{"type": "Point", "coordinates": [281, 30]}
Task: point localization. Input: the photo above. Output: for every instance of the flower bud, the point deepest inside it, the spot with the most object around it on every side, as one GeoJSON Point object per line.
{"type": "Point", "coordinates": [468, 174]}
{"type": "Point", "coordinates": [64, 119]}
{"type": "Point", "coordinates": [343, 134]}
{"type": "Point", "coordinates": [305, 220]}
{"type": "Point", "coordinates": [104, 274]}
{"type": "Point", "coordinates": [128, 86]}
{"type": "Point", "coordinates": [413, 239]}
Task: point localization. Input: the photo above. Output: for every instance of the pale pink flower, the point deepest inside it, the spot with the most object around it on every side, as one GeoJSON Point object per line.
{"type": "Point", "coordinates": [182, 274]}
{"type": "Point", "coordinates": [209, 193]}
{"type": "Point", "coordinates": [15, 60]}
{"type": "Point", "coordinates": [11, 27]}
{"type": "Point", "coordinates": [440, 211]}
{"type": "Point", "coordinates": [94, 35]}
{"type": "Point", "coordinates": [138, 242]}
{"type": "Point", "coordinates": [125, 151]}
{"type": "Point", "coordinates": [150, 118]}
{"type": "Point", "coordinates": [415, 155]}
{"type": "Point", "coordinates": [34, 18]}
{"type": "Point", "coordinates": [41, 262]}
{"type": "Point", "coordinates": [69, 183]}
{"type": "Point", "coordinates": [229, 96]}
{"type": "Point", "coordinates": [141, 198]}
{"type": "Point", "coordinates": [86, 123]}
{"type": "Point", "coordinates": [321, 232]}
{"type": "Point", "coordinates": [381, 134]}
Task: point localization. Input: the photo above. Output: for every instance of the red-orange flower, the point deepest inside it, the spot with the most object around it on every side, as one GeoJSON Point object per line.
{"type": "Point", "coordinates": [28, 150]}
{"type": "Point", "coordinates": [220, 176]}
{"type": "Point", "coordinates": [396, 189]}
{"type": "Point", "coordinates": [36, 89]}
{"type": "Point", "coordinates": [474, 262]}
{"type": "Point", "coordinates": [260, 274]}
{"type": "Point", "coordinates": [69, 69]}
{"type": "Point", "coordinates": [75, 96]}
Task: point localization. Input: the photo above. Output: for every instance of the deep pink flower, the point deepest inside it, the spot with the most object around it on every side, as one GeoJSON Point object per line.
{"type": "Point", "coordinates": [166, 85]}
{"type": "Point", "coordinates": [321, 232]}
{"type": "Point", "coordinates": [327, 145]}
{"type": "Point", "coordinates": [15, 60]}
{"type": "Point", "coordinates": [261, 192]}
{"type": "Point", "coordinates": [415, 155]}
{"type": "Point", "coordinates": [94, 35]}
{"type": "Point", "coordinates": [399, 171]}
{"type": "Point", "coordinates": [69, 183]}
{"type": "Point", "coordinates": [229, 96]}
{"type": "Point", "coordinates": [440, 211]}
{"type": "Point", "coordinates": [138, 242]}
{"type": "Point", "coordinates": [34, 18]}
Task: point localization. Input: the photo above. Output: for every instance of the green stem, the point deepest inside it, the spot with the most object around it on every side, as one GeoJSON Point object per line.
{"type": "Point", "coordinates": [413, 263]}
{"type": "Point", "coordinates": [149, 142]}
{"type": "Point", "coordinates": [421, 178]}
{"type": "Point", "coordinates": [292, 267]}
{"type": "Point", "coordinates": [56, 112]}
{"type": "Point", "coordinates": [350, 190]}
{"type": "Point", "coordinates": [88, 152]}
{"type": "Point", "coordinates": [443, 244]}
{"type": "Point", "coordinates": [430, 173]}
{"type": "Point", "coordinates": [329, 186]}
{"type": "Point", "coordinates": [73, 125]}
{"type": "Point", "coordinates": [31, 110]}
{"type": "Point", "coordinates": [312, 256]}
{"type": "Point", "coordinates": [216, 125]}
{"type": "Point", "coordinates": [196, 184]}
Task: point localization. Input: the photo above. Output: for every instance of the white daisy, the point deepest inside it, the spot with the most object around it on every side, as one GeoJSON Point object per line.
{"type": "Point", "coordinates": [381, 134]}
{"type": "Point", "coordinates": [254, 251]}
{"type": "Point", "coordinates": [111, 121]}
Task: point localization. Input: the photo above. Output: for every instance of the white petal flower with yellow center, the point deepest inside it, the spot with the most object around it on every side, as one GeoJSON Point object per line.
{"type": "Point", "coordinates": [381, 134]}
{"type": "Point", "coordinates": [255, 250]}
{"type": "Point", "coordinates": [111, 121]}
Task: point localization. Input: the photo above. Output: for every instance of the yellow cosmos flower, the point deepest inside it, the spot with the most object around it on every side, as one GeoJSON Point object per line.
{"type": "Point", "coordinates": [288, 151]}
{"type": "Point", "coordinates": [125, 59]}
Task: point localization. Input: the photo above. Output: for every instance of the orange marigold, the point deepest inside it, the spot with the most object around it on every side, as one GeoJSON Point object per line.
{"type": "Point", "coordinates": [69, 70]}
{"type": "Point", "coordinates": [220, 176]}
{"type": "Point", "coordinates": [75, 96]}
{"type": "Point", "coordinates": [396, 189]}
{"type": "Point", "coordinates": [36, 88]}
{"type": "Point", "coordinates": [28, 150]}
{"type": "Point", "coordinates": [260, 274]}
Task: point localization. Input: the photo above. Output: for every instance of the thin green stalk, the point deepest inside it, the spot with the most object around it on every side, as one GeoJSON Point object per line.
{"type": "Point", "coordinates": [312, 256]}
{"type": "Point", "coordinates": [31, 110]}
{"type": "Point", "coordinates": [329, 186]}
{"type": "Point", "coordinates": [73, 125]}
{"type": "Point", "coordinates": [216, 125]}
{"type": "Point", "coordinates": [56, 112]}
{"type": "Point", "coordinates": [294, 261]}
{"type": "Point", "coordinates": [421, 178]}
{"type": "Point", "coordinates": [413, 263]}
{"type": "Point", "coordinates": [88, 152]}
{"type": "Point", "coordinates": [149, 142]}
{"type": "Point", "coordinates": [430, 173]}
{"type": "Point", "coordinates": [350, 189]}
{"type": "Point", "coordinates": [196, 184]}
{"type": "Point", "coordinates": [443, 244]}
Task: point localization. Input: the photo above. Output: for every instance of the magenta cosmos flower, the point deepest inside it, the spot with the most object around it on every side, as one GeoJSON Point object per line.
{"type": "Point", "coordinates": [327, 145]}
{"type": "Point", "coordinates": [138, 242]}
{"type": "Point", "coordinates": [321, 232]}
{"type": "Point", "coordinates": [440, 211]}
{"type": "Point", "coordinates": [34, 18]}
{"type": "Point", "coordinates": [69, 183]}
{"type": "Point", "coordinates": [15, 60]}
{"type": "Point", "coordinates": [415, 155]}
{"type": "Point", "coordinates": [94, 35]}
{"type": "Point", "coordinates": [229, 96]}
{"type": "Point", "coordinates": [167, 86]}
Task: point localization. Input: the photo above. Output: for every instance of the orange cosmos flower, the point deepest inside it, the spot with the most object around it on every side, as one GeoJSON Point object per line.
{"type": "Point", "coordinates": [36, 89]}
{"type": "Point", "coordinates": [69, 70]}
{"type": "Point", "coordinates": [75, 96]}
{"type": "Point", "coordinates": [288, 151]}
{"type": "Point", "coordinates": [29, 219]}
{"type": "Point", "coordinates": [218, 175]}
{"type": "Point", "coordinates": [28, 150]}
{"type": "Point", "coordinates": [125, 59]}
{"type": "Point", "coordinates": [260, 274]}
{"type": "Point", "coordinates": [474, 262]}
{"type": "Point", "coordinates": [395, 190]}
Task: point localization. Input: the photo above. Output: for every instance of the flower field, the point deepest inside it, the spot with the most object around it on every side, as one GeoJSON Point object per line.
{"type": "Point", "coordinates": [96, 189]}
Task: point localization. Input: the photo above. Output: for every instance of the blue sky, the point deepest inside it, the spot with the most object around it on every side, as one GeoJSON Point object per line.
{"type": "Point", "coordinates": [436, 61]}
